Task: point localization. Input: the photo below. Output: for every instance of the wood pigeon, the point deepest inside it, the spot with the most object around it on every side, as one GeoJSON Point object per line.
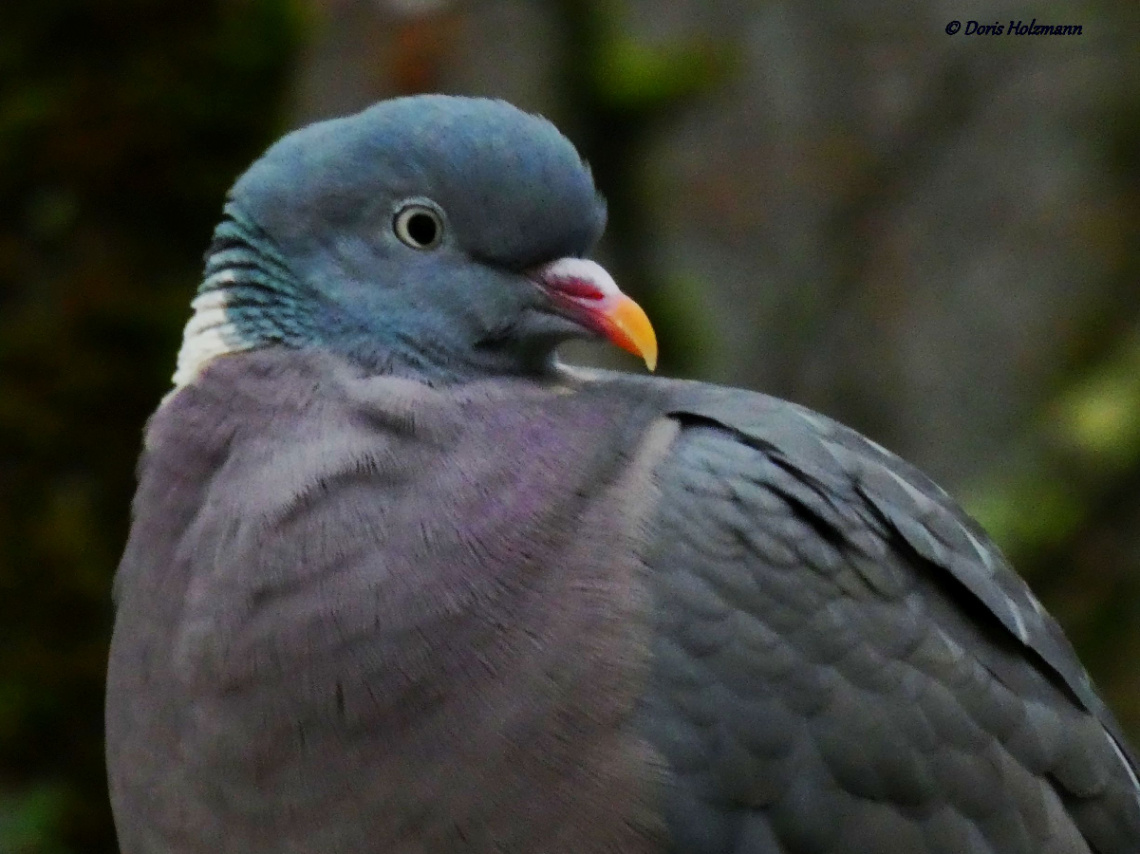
{"type": "Point", "coordinates": [399, 581]}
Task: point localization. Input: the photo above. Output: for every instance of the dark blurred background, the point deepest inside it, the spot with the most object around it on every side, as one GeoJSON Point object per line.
{"type": "Point", "coordinates": [933, 238]}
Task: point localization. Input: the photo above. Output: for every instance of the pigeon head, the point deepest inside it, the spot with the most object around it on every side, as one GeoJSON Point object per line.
{"type": "Point", "coordinates": [438, 235]}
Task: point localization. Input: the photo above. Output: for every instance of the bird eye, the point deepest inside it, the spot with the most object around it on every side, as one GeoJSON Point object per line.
{"type": "Point", "coordinates": [419, 226]}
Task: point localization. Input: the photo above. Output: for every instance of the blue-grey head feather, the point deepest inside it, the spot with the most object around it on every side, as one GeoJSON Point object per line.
{"type": "Point", "coordinates": [307, 254]}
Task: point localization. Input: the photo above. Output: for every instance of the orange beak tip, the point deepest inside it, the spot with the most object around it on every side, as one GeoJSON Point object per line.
{"type": "Point", "coordinates": [631, 330]}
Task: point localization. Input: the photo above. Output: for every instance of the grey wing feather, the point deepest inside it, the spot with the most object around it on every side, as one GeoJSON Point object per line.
{"type": "Point", "coordinates": [846, 662]}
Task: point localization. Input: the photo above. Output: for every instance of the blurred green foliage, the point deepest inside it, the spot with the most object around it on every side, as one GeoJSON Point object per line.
{"type": "Point", "coordinates": [1090, 435]}
{"type": "Point", "coordinates": [121, 123]}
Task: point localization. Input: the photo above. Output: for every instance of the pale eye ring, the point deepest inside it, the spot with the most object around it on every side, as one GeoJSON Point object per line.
{"type": "Point", "coordinates": [419, 226]}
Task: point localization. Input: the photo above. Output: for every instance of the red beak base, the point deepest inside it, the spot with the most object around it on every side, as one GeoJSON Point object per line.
{"type": "Point", "coordinates": [598, 303]}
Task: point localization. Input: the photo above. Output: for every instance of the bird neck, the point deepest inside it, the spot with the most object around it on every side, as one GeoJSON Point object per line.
{"type": "Point", "coordinates": [408, 348]}
{"type": "Point", "coordinates": [248, 299]}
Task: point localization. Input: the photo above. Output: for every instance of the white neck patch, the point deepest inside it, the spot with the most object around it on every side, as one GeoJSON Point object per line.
{"type": "Point", "coordinates": [208, 334]}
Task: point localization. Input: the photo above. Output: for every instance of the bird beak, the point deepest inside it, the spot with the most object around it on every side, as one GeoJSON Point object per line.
{"type": "Point", "coordinates": [589, 295]}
